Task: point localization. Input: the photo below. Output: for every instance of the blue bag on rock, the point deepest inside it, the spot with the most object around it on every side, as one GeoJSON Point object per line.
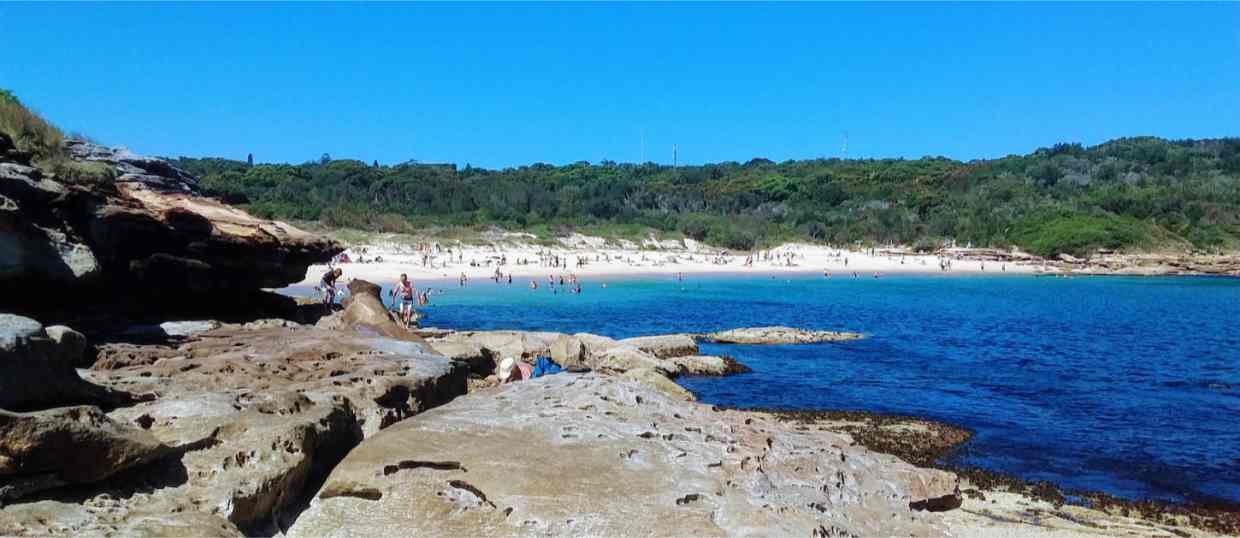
{"type": "Point", "coordinates": [544, 366]}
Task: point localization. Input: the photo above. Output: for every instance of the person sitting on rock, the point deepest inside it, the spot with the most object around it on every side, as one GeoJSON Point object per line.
{"type": "Point", "coordinates": [328, 286]}
{"type": "Point", "coordinates": [403, 294]}
{"type": "Point", "coordinates": [511, 370]}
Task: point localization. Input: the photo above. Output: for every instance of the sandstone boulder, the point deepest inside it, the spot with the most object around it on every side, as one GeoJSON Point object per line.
{"type": "Point", "coordinates": [256, 418]}
{"type": "Point", "coordinates": [365, 312]}
{"type": "Point", "coordinates": [593, 455]}
{"type": "Point", "coordinates": [596, 345]}
{"type": "Point", "coordinates": [67, 445]}
{"type": "Point", "coordinates": [38, 368]}
{"type": "Point", "coordinates": [385, 380]}
{"type": "Point", "coordinates": [479, 359]}
{"type": "Point", "coordinates": [623, 358]}
{"type": "Point", "coordinates": [501, 344]}
{"type": "Point", "coordinates": [705, 365]}
{"type": "Point", "coordinates": [777, 335]}
{"type": "Point", "coordinates": [569, 352]}
{"type": "Point", "coordinates": [665, 346]}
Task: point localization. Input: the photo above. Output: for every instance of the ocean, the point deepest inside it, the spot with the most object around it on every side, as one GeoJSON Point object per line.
{"type": "Point", "coordinates": [1125, 385]}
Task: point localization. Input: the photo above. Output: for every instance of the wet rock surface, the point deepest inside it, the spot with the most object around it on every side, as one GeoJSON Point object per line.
{"type": "Point", "coordinates": [588, 454]}
{"type": "Point", "coordinates": [993, 504]}
{"type": "Point", "coordinates": [915, 440]}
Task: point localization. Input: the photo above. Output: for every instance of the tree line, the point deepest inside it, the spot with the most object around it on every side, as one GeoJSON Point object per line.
{"type": "Point", "coordinates": [1132, 193]}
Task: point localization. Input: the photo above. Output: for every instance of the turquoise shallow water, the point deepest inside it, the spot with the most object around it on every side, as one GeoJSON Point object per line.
{"type": "Point", "coordinates": [1125, 385]}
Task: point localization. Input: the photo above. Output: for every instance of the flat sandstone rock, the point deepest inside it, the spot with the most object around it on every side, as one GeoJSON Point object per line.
{"type": "Point", "coordinates": [587, 454]}
{"type": "Point", "coordinates": [665, 346]}
{"type": "Point", "coordinates": [777, 335]}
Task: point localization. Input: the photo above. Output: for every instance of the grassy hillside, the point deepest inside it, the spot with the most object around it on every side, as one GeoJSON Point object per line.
{"type": "Point", "coordinates": [40, 141]}
{"type": "Point", "coordinates": [29, 132]}
{"type": "Point", "coordinates": [1132, 193]}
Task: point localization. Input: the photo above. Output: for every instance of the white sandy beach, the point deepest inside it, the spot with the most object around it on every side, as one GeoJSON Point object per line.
{"type": "Point", "coordinates": [592, 259]}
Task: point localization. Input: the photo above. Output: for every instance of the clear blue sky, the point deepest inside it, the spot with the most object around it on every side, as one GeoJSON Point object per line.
{"type": "Point", "coordinates": [510, 84]}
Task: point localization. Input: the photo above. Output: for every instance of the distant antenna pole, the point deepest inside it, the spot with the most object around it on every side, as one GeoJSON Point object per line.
{"type": "Point", "coordinates": [674, 156]}
{"type": "Point", "coordinates": [845, 144]}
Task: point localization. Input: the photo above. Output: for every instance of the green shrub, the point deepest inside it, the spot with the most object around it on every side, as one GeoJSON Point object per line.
{"type": "Point", "coordinates": [30, 132]}
{"type": "Point", "coordinates": [7, 97]}
{"type": "Point", "coordinates": [81, 172]}
{"type": "Point", "coordinates": [1081, 235]}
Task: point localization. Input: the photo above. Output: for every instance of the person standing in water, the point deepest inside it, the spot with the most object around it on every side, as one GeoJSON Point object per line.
{"type": "Point", "coordinates": [328, 285]}
{"type": "Point", "coordinates": [403, 295]}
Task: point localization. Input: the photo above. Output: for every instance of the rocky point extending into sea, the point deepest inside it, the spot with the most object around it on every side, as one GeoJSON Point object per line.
{"type": "Point", "coordinates": [148, 386]}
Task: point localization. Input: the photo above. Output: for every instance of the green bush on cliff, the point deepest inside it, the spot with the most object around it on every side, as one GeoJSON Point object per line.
{"type": "Point", "coordinates": [7, 97]}
{"type": "Point", "coordinates": [41, 140]}
{"type": "Point", "coordinates": [29, 131]}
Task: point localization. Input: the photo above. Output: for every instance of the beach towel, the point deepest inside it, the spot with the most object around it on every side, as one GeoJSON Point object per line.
{"type": "Point", "coordinates": [545, 366]}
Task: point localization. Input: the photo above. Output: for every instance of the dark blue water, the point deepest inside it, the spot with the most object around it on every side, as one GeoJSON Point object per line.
{"type": "Point", "coordinates": [1125, 385]}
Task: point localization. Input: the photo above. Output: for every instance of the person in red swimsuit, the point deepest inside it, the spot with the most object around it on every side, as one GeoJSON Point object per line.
{"type": "Point", "coordinates": [403, 293]}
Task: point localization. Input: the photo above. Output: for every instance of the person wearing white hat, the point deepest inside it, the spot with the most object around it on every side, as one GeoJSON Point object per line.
{"type": "Point", "coordinates": [511, 370]}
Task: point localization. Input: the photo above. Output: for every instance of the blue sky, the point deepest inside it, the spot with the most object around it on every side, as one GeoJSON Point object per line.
{"type": "Point", "coordinates": [507, 84]}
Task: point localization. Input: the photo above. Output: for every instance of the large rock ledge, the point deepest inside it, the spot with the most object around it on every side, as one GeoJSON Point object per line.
{"type": "Point", "coordinates": [145, 236]}
{"type": "Point", "coordinates": [586, 454]}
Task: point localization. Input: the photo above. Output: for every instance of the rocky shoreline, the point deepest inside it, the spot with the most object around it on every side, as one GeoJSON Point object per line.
{"type": "Point", "coordinates": [930, 443]}
{"type": "Point", "coordinates": [277, 427]}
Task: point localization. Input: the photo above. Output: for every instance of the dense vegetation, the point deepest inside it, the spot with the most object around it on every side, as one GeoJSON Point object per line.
{"type": "Point", "coordinates": [1132, 193]}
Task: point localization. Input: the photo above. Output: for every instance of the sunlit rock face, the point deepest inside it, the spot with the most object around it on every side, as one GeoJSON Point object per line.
{"type": "Point", "coordinates": [599, 455]}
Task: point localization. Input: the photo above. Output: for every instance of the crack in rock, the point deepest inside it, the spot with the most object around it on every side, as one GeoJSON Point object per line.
{"type": "Point", "coordinates": [466, 486]}
{"type": "Point", "coordinates": [414, 464]}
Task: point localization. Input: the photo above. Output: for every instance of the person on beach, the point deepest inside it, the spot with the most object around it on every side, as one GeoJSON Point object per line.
{"type": "Point", "coordinates": [403, 294]}
{"type": "Point", "coordinates": [328, 285]}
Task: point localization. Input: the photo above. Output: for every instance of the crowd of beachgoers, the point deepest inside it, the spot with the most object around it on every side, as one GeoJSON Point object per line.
{"type": "Point", "coordinates": [566, 267]}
